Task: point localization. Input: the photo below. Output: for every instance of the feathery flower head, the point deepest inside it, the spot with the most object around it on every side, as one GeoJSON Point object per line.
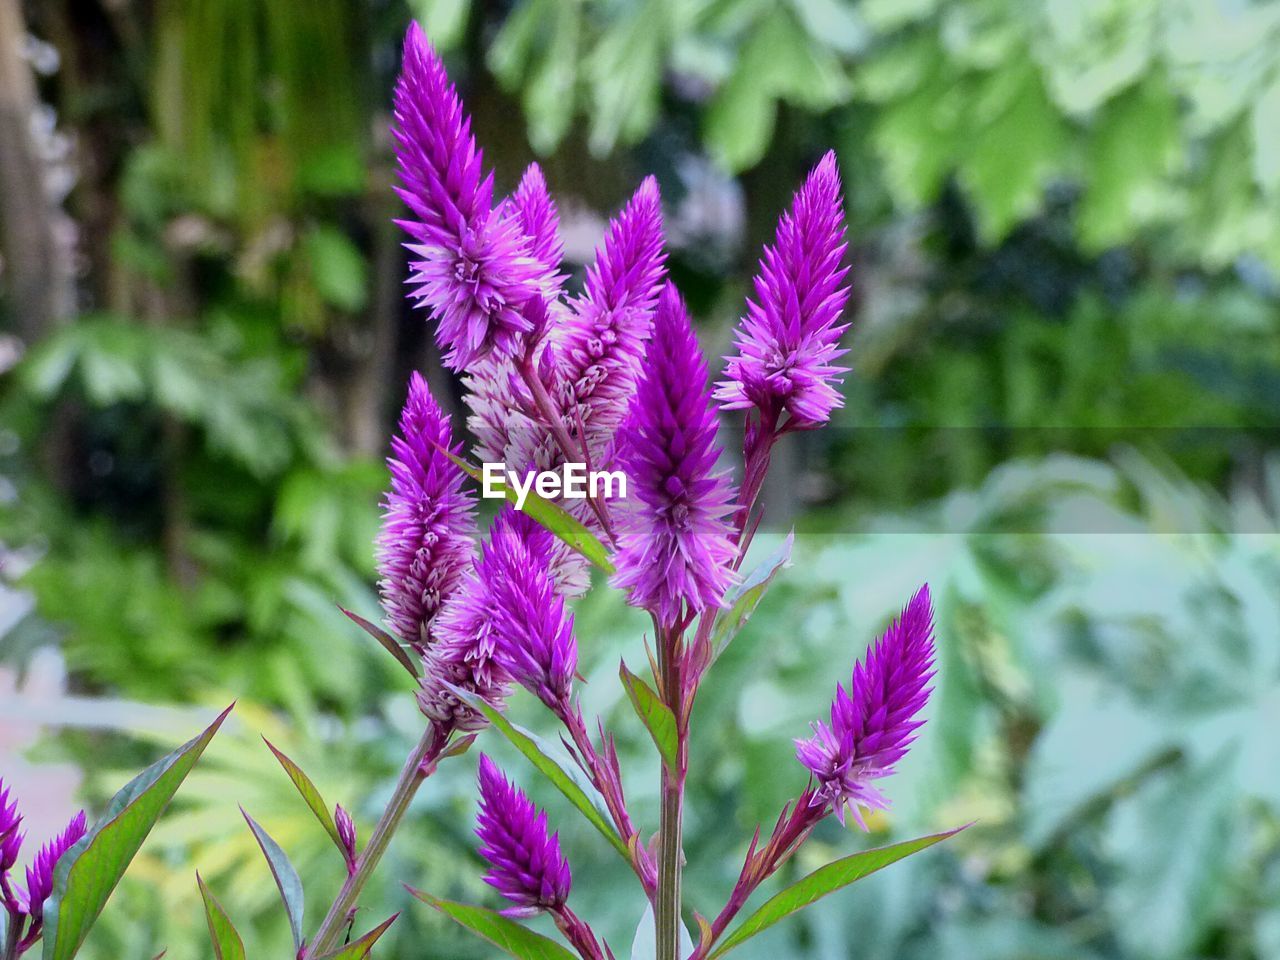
{"type": "Point", "coordinates": [533, 631]}
{"type": "Point", "coordinates": [873, 722]}
{"type": "Point", "coordinates": [526, 865]}
{"type": "Point", "coordinates": [676, 546]}
{"type": "Point", "coordinates": [473, 266]}
{"type": "Point", "coordinates": [40, 873]}
{"type": "Point", "coordinates": [598, 354]}
{"type": "Point", "coordinates": [463, 654]}
{"type": "Point", "coordinates": [425, 543]}
{"type": "Point", "coordinates": [10, 824]}
{"type": "Point", "coordinates": [789, 339]}
{"type": "Point", "coordinates": [539, 221]}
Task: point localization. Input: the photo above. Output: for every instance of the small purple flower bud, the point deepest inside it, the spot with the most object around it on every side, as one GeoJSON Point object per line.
{"type": "Point", "coordinates": [873, 722]}
{"type": "Point", "coordinates": [346, 832]}
{"type": "Point", "coordinates": [676, 547]}
{"type": "Point", "coordinates": [540, 221]}
{"type": "Point", "coordinates": [425, 543]}
{"type": "Point", "coordinates": [527, 866]}
{"type": "Point", "coordinates": [40, 873]}
{"type": "Point", "coordinates": [790, 336]}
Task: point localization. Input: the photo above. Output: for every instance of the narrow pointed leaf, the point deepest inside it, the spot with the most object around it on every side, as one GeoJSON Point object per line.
{"type": "Point", "coordinates": [388, 642]}
{"type": "Point", "coordinates": [563, 777]}
{"type": "Point", "coordinates": [825, 880]}
{"type": "Point", "coordinates": [286, 877]}
{"type": "Point", "coordinates": [359, 949]}
{"type": "Point", "coordinates": [504, 933]}
{"type": "Point", "coordinates": [310, 795]}
{"type": "Point", "coordinates": [227, 944]}
{"type": "Point", "coordinates": [552, 516]}
{"type": "Point", "coordinates": [741, 600]}
{"type": "Point", "coordinates": [90, 870]}
{"type": "Point", "coordinates": [654, 714]}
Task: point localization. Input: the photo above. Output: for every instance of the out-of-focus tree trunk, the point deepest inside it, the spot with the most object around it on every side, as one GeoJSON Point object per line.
{"type": "Point", "coordinates": [31, 272]}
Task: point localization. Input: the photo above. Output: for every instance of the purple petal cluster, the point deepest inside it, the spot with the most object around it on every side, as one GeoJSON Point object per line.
{"type": "Point", "coordinates": [10, 830]}
{"type": "Point", "coordinates": [676, 548]}
{"type": "Point", "coordinates": [463, 654]}
{"type": "Point", "coordinates": [789, 339]}
{"type": "Point", "coordinates": [539, 221]}
{"type": "Point", "coordinates": [40, 873]}
{"type": "Point", "coordinates": [425, 544]}
{"type": "Point", "coordinates": [534, 632]}
{"type": "Point", "coordinates": [873, 722]}
{"type": "Point", "coordinates": [473, 265]}
{"type": "Point", "coordinates": [526, 865]}
{"type": "Point", "coordinates": [346, 832]}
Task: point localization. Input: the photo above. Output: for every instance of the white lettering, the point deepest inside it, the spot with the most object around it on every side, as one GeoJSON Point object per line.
{"type": "Point", "coordinates": [522, 492]}
{"type": "Point", "coordinates": [573, 482]}
{"type": "Point", "coordinates": [606, 479]}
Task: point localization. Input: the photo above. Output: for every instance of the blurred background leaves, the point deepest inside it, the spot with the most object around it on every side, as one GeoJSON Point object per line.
{"type": "Point", "coordinates": [1065, 225]}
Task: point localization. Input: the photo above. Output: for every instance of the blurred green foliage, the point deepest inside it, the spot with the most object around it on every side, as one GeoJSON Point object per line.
{"type": "Point", "coordinates": [1067, 379]}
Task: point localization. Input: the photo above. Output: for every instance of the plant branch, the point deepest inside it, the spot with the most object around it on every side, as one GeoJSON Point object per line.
{"type": "Point", "coordinates": [415, 770]}
{"type": "Point", "coordinates": [671, 855]}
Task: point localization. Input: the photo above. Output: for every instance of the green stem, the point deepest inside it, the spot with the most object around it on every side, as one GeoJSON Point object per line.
{"type": "Point", "coordinates": [411, 777]}
{"type": "Point", "coordinates": [670, 853]}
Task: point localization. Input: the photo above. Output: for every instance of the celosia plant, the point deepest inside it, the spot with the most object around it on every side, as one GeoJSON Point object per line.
{"type": "Point", "coordinates": [612, 379]}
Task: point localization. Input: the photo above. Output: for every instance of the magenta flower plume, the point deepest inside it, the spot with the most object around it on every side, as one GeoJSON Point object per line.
{"type": "Point", "coordinates": [539, 221]}
{"type": "Point", "coordinates": [473, 267]}
{"type": "Point", "coordinates": [676, 547]}
{"type": "Point", "coordinates": [789, 339]}
{"type": "Point", "coordinates": [463, 655]}
{"type": "Point", "coordinates": [526, 865]}
{"type": "Point", "coordinates": [533, 631]}
{"type": "Point", "coordinates": [425, 543]}
{"type": "Point", "coordinates": [599, 354]}
{"type": "Point", "coordinates": [40, 873]}
{"type": "Point", "coordinates": [873, 722]}
{"type": "Point", "coordinates": [10, 829]}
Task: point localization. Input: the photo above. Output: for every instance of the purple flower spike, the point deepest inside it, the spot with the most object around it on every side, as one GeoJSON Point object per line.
{"type": "Point", "coordinates": [873, 722]}
{"type": "Point", "coordinates": [10, 824]}
{"type": "Point", "coordinates": [527, 866]}
{"type": "Point", "coordinates": [790, 336]}
{"type": "Point", "coordinates": [472, 266]}
{"type": "Point", "coordinates": [598, 358]}
{"type": "Point", "coordinates": [425, 543]}
{"type": "Point", "coordinates": [40, 873]}
{"type": "Point", "coordinates": [540, 221]}
{"type": "Point", "coordinates": [346, 833]}
{"type": "Point", "coordinates": [676, 546]}
{"type": "Point", "coordinates": [534, 632]}
{"type": "Point", "coordinates": [464, 653]}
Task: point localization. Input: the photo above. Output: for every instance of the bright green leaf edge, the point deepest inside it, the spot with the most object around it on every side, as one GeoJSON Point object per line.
{"type": "Point", "coordinates": [310, 795]}
{"type": "Point", "coordinates": [359, 949]}
{"type": "Point", "coordinates": [227, 944]}
{"type": "Point", "coordinates": [285, 874]}
{"type": "Point", "coordinates": [654, 714]}
{"type": "Point", "coordinates": [88, 873]}
{"type": "Point", "coordinates": [505, 934]}
{"type": "Point", "coordinates": [823, 881]}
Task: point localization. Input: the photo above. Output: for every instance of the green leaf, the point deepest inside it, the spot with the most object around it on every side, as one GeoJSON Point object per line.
{"type": "Point", "coordinates": [825, 880]}
{"type": "Point", "coordinates": [337, 268]}
{"type": "Point", "coordinates": [286, 877]}
{"type": "Point", "coordinates": [654, 714]}
{"type": "Point", "coordinates": [563, 778]}
{"type": "Point", "coordinates": [388, 642]}
{"type": "Point", "coordinates": [310, 794]}
{"type": "Point", "coordinates": [553, 517]}
{"type": "Point", "coordinates": [359, 949]}
{"type": "Point", "coordinates": [504, 933]}
{"type": "Point", "coordinates": [742, 600]}
{"type": "Point", "coordinates": [227, 944]}
{"type": "Point", "coordinates": [90, 870]}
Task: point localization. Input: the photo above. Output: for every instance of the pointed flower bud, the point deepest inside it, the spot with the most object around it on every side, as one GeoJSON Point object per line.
{"type": "Point", "coordinates": [463, 655]}
{"type": "Point", "coordinates": [676, 546]}
{"type": "Point", "coordinates": [534, 633]}
{"type": "Point", "coordinates": [472, 268]}
{"type": "Point", "coordinates": [873, 722]}
{"type": "Point", "coordinates": [526, 865]}
{"type": "Point", "coordinates": [789, 339]}
{"type": "Point", "coordinates": [539, 221]}
{"type": "Point", "coordinates": [346, 833]}
{"type": "Point", "coordinates": [40, 873]}
{"type": "Point", "coordinates": [425, 543]}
